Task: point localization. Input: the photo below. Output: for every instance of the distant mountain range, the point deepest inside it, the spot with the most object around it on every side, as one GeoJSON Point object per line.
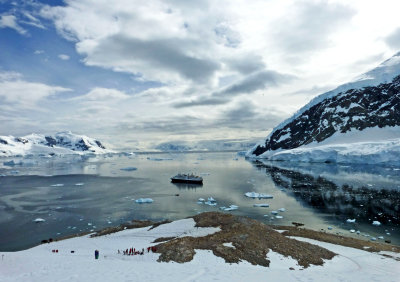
{"type": "Point", "coordinates": [206, 145]}
{"type": "Point", "coordinates": [60, 143]}
{"type": "Point", "coordinates": [358, 122]}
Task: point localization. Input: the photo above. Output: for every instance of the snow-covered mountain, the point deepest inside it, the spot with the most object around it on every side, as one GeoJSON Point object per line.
{"type": "Point", "coordinates": [358, 122]}
{"type": "Point", "coordinates": [60, 143]}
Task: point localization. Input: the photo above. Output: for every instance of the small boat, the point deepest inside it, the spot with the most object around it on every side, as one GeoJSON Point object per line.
{"type": "Point", "coordinates": [187, 178]}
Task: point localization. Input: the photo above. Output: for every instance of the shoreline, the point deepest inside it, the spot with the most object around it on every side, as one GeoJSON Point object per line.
{"type": "Point", "coordinates": [286, 230]}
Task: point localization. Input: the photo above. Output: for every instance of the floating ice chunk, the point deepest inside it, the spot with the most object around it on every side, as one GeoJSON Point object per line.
{"type": "Point", "coordinates": [144, 201]}
{"type": "Point", "coordinates": [57, 185]}
{"type": "Point", "coordinates": [231, 208]}
{"type": "Point", "coordinates": [257, 195]}
{"type": "Point", "coordinates": [211, 199]}
{"type": "Point", "coordinates": [274, 212]}
{"type": "Point", "coordinates": [282, 209]}
{"type": "Point", "coordinates": [387, 233]}
{"type": "Point", "coordinates": [79, 184]}
{"type": "Point", "coordinates": [261, 205]}
{"type": "Point", "coordinates": [330, 227]}
{"type": "Point", "coordinates": [351, 220]}
{"type": "Point", "coordinates": [376, 223]}
{"type": "Point", "coordinates": [222, 208]}
{"type": "Point", "coordinates": [358, 232]}
{"type": "Point", "coordinates": [373, 239]}
{"type": "Point", "coordinates": [251, 194]}
{"type": "Point", "coordinates": [37, 220]}
{"type": "Point", "coordinates": [278, 217]}
{"type": "Point", "coordinates": [201, 200]}
{"type": "Point", "coordinates": [129, 168]}
{"type": "Point", "coordinates": [380, 237]}
{"type": "Point", "coordinates": [352, 231]}
{"type": "Point", "coordinates": [210, 203]}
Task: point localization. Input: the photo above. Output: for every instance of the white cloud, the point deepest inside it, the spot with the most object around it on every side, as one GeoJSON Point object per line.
{"type": "Point", "coordinates": [10, 21]}
{"type": "Point", "coordinates": [38, 52]}
{"type": "Point", "coordinates": [63, 57]}
{"type": "Point", "coordinates": [21, 94]}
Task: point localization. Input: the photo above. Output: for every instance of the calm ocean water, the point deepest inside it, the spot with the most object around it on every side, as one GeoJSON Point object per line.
{"type": "Point", "coordinates": [76, 194]}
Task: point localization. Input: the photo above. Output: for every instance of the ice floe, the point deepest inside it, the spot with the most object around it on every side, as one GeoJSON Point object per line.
{"type": "Point", "coordinates": [37, 220]}
{"type": "Point", "coordinates": [144, 201]}
{"type": "Point", "coordinates": [255, 195]}
{"type": "Point", "coordinates": [230, 208]}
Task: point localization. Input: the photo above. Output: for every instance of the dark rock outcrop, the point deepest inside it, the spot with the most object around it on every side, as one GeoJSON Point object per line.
{"type": "Point", "coordinates": [358, 109]}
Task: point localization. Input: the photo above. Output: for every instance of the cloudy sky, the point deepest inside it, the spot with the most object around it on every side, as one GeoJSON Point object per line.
{"type": "Point", "coordinates": [138, 73]}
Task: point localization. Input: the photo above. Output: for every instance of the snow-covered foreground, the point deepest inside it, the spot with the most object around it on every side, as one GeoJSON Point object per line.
{"type": "Point", "coordinates": [41, 264]}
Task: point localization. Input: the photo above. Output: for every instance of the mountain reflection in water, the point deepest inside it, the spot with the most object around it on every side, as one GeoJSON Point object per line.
{"type": "Point", "coordinates": [366, 193]}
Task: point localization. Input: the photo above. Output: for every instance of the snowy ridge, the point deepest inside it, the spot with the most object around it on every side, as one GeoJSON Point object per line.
{"type": "Point", "coordinates": [60, 143]}
{"type": "Point", "coordinates": [317, 132]}
{"type": "Point", "coordinates": [384, 73]}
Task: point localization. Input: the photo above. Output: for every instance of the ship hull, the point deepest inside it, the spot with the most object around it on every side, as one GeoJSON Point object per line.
{"type": "Point", "coordinates": [189, 181]}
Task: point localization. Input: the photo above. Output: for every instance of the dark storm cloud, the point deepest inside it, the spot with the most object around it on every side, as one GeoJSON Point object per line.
{"type": "Point", "coordinates": [246, 64]}
{"type": "Point", "coordinates": [393, 40]}
{"type": "Point", "coordinates": [243, 115]}
{"type": "Point", "coordinates": [165, 54]}
{"type": "Point", "coordinates": [202, 101]}
{"type": "Point", "coordinates": [309, 25]}
{"type": "Point", "coordinates": [256, 81]}
{"type": "Point", "coordinates": [246, 115]}
{"type": "Point", "coordinates": [176, 125]}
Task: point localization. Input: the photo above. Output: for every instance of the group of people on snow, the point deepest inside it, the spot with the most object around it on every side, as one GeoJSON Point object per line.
{"type": "Point", "coordinates": [133, 252]}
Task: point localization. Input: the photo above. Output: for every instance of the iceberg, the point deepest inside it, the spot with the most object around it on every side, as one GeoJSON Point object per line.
{"type": "Point", "coordinates": [144, 201]}
{"type": "Point", "coordinates": [37, 220]}
{"type": "Point", "coordinates": [255, 195]}
{"type": "Point", "coordinates": [376, 223]}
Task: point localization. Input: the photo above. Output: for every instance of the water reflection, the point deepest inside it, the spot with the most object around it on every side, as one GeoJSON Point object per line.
{"type": "Point", "coordinates": [187, 186]}
{"type": "Point", "coordinates": [366, 193]}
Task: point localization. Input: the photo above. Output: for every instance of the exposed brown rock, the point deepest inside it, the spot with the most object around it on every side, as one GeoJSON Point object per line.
{"type": "Point", "coordinates": [251, 239]}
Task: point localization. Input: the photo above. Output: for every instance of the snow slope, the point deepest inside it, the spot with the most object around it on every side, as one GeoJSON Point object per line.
{"type": "Point", "coordinates": [358, 122]}
{"type": "Point", "coordinates": [60, 143]}
{"type": "Point", "coordinates": [41, 264]}
{"type": "Point", "coordinates": [384, 73]}
{"type": "Point", "coordinates": [370, 146]}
